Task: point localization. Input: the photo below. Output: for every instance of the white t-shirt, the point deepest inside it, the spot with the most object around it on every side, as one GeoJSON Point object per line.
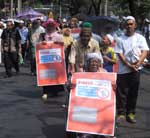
{"type": "Point", "coordinates": [0, 45]}
{"type": "Point", "coordinates": [131, 48]}
{"type": "Point", "coordinates": [35, 35]}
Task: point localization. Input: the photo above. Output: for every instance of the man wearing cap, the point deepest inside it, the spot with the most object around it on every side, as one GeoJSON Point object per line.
{"type": "Point", "coordinates": [131, 50]}
{"type": "Point", "coordinates": [85, 44]}
{"type": "Point", "coordinates": [94, 36]}
{"type": "Point", "coordinates": [108, 53]}
{"type": "Point", "coordinates": [87, 25]}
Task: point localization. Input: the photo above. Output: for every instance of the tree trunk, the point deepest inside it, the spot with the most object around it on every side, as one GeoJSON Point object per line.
{"type": "Point", "coordinates": [132, 7]}
{"type": "Point", "coordinates": [96, 6]}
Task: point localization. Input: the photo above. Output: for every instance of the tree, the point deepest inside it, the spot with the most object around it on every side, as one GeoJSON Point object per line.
{"type": "Point", "coordinates": [143, 8]}
{"type": "Point", "coordinates": [131, 7]}
{"type": "Point", "coordinates": [96, 5]}
{"type": "Point", "coordinates": [91, 6]}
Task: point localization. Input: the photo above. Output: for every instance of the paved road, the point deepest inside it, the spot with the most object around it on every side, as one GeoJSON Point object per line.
{"type": "Point", "coordinates": [24, 115]}
{"type": "Point", "coordinates": [142, 128]}
{"type": "Point", "coordinates": [22, 112]}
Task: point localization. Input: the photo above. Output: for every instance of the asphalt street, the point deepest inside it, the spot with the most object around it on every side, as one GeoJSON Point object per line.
{"type": "Point", "coordinates": [23, 114]}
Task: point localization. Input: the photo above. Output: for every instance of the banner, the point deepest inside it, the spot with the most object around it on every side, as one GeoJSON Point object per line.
{"type": "Point", "coordinates": [92, 103]}
{"type": "Point", "coordinates": [0, 57]}
{"type": "Point", "coordinates": [0, 52]}
{"type": "Point", "coordinates": [50, 64]}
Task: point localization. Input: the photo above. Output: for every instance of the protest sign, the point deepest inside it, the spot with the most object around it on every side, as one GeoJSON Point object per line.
{"type": "Point", "coordinates": [0, 57]}
{"type": "Point", "coordinates": [50, 64]}
{"type": "Point", "coordinates": [92, 103]}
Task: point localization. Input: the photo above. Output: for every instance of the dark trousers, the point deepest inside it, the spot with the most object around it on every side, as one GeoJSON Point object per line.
{"type": "Point", "coordinates": [11, 60]}
{"type": "Point", "coordinates": [67, 52]}
{"type": "Point", "coordinates": [127, 92]}
{"type": "Point", "coordinates": [53, 89]}
{"type": "Point", "coordinates": [33, 64]}
{"type": "Point", "coordinates": [24, 48]}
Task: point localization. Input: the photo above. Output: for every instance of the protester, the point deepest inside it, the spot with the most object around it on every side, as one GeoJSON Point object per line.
{"type": "Point", "coordinates": [51, 35]}
{"type": "Point", "coordinates": [94, 36]}
{"type": "Point", "coordinates": [146, 30]}
{"type": "Point", "coordinates": [11, 47]}
{"type": "Point", "coordinates": [1, 30]}
{"type": "Point", "coordinates": [68, 42]}
{"type": "Point", "coordinates": [131, 50]}
{"type": "Point", "coordinates": [24, 33]}
{"type": "Point", "coordinates": [34, 37]}
{"type": "Point", "coordinates": [76, 35]}
{"type": "Point", "coordinates": [85, 44]}
{"type": "Point", "coordinates": [93, 62]}
{"type": "Point", "coordinates": [51, 31]}
{"type": "Point", "coordinates": [73, 23]}
{"type": "Point", "coordinates": [108, 53]}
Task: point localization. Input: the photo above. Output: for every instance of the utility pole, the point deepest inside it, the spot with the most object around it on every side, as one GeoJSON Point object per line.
{"type": "Point", "coordinates": [19, 6]}
{"type": "Point", "coordinates": [106, 8]}
{"type": "Point", "coordinates": [100, 10]}
{"type": "Point", "coordinates": [11, 8]}
{"type": "Point", "coordinates": [60, 10]}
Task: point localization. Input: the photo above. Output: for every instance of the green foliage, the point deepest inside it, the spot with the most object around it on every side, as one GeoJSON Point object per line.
{"type": "Point", "coordinates": [143, 9]}
{"type": "Point", "coordinates": [119, 7]}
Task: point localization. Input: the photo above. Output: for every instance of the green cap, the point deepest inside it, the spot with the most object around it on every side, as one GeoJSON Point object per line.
{"type": "Point", "coordinates": [86, 25]}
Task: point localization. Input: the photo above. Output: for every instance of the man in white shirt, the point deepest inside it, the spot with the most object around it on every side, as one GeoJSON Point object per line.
{"type": "Point", "coordinates": [131, 50]}
{"type": "Point", "coordinates": [34, 38]}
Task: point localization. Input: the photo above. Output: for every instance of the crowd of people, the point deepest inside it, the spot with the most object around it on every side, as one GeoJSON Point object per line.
{"type": "Point", "coordinates": [85, 51]}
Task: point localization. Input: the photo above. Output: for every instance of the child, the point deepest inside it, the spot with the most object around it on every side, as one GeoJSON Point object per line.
{"type": "Point", "coordinates": [108, 53]}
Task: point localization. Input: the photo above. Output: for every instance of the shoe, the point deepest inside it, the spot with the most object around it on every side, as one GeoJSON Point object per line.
{"type": "Point", "coordinates": [64, 106]}
{"type": "Point", "coordinates": [120, 119]}
{"type": "Point", "coordinates": [32, 74]}
{"type": "Point", "coordinates": [44, 96]}
{"type": "Point", "coordinates": [131, 118]}
{"type": "Point", "coordinates": [86, 136]}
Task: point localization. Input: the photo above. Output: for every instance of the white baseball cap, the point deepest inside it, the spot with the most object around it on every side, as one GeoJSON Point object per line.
{"type": "Point", "coordinates": [93, 55]}
{"type": "Point", "coordinates": [130, 18]}
{"type": "Point", "coordinates": [110, 37]}
{"type": "Point", "coordinates": [147, 20]}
